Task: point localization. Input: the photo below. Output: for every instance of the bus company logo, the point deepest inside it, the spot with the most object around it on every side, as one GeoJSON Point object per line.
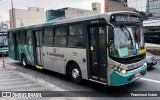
{"type": "Point", "coordinates": [6, 94]}
{"type": "Point", "coordinates": [54, 50]}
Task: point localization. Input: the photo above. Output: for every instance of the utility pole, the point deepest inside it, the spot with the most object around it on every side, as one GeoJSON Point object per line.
{"type": "Point", "coordinates": [12, 14]}
{"type": "Point", "coordinates": [147, 9]}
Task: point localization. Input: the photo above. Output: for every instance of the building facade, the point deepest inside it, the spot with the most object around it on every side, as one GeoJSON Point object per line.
{"type": "Point", "coordinates": [116, 5]}
{"type": "Point", "coordinates": [96, 7]}
{"type": "Point", "coordinates": [154, 8]}
{"type": "Point", "coordinates": [67, 13]}
{"type": "Point", "coordinates": [28, 17]}
{"type": "Point", "coordinates": [4, 26]}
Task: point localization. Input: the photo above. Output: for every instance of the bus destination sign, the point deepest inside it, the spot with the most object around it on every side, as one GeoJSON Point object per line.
{"type": "Point", "coordinates": [127, 19]}
{"type": "Point", "coordinates": [122, 18]}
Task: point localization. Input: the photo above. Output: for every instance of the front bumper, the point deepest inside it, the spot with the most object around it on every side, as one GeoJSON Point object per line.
{"type": "Point", "coordinates": [118, 79]}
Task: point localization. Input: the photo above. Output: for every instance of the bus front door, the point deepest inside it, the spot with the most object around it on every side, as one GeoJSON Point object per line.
{"type": "Point", "coordinates": [38, 54]}
{"type": "Point", "coordinates": [97, 52]}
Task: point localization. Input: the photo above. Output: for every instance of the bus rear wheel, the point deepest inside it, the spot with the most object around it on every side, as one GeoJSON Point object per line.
{"type": "Point", "coordinates": [75, 73]}
{"type": "Point", "coordinates": [24, 61]}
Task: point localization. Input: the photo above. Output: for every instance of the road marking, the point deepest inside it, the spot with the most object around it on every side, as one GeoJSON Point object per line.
{"type": "Point", "coordinates": [146, 79]}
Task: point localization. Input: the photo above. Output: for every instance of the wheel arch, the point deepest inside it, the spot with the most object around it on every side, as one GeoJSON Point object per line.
{"type": "Point", "coordinates": [68, 66]}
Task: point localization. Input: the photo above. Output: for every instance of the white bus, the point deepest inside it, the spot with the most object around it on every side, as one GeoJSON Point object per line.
{"type": "Point", "coordinates": [106, 48]}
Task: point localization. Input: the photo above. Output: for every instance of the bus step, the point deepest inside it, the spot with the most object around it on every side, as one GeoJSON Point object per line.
{"type": "Point", "coordinates": [98, 81]}
{"type": "Point", "coordinates": [39, 67]}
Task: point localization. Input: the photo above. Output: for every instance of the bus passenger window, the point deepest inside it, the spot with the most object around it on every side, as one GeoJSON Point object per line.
{"type": "Point", "coordinates": [60, 36]}
{"type": "Point", "coordinates": [10, 39]}
{"type": "Point", "coordinates": [75, 38]}
{"type": "Point", "coordinates": [29, 37]}
{"type": "Point", "coordinates": [48, 37]}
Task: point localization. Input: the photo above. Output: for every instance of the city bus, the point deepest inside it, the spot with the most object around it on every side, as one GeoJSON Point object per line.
{"type": "Point", "coordinates": [3, 43]}
{"type": "Point", "coordinates": [105, 48]}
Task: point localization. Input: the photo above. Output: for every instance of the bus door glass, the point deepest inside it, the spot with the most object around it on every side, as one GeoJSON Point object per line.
{"type": "Point", "coordinates": [38, 44]}
{"type": "Point", "coordinates": [16, 45]}
{"type": "Point", "coordinates": [98, 52]}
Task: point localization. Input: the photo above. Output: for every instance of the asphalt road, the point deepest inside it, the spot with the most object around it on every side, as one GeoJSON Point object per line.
{"type": "Point", "coordinates": [151, 82]}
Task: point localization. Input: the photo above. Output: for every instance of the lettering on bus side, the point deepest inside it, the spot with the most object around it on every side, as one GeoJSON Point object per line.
{"type": "Point", "coordinates": [95, 21]}
{"type": "Point", "coordinates": [55, 55]}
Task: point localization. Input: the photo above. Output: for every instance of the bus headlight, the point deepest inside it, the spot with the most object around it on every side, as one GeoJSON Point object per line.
{"type": "Point", "coordinates": [123, 71]}
{"type": "Point", "coordinates": [120, 70]}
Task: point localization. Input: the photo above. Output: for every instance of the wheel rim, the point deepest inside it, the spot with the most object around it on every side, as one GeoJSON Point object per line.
{"type": "Point", "coordinates": [24, 62]}
{"type": "Point", "coordinates": [75, 73]}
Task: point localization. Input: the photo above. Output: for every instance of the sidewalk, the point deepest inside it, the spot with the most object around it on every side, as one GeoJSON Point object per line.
{"type": "Point", "coordinates": [12, 81]}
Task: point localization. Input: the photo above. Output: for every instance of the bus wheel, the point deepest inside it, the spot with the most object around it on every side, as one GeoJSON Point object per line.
{"type": "Point", "coordinates": [75, 73]}
{"type": "Point", "coordinates": [24, 61]}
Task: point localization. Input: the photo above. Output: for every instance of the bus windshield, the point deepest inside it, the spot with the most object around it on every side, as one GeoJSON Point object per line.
{"type": "Point", "coordinates": [3, 40]}
{"type": "Point", "coordinates": [128, 40]}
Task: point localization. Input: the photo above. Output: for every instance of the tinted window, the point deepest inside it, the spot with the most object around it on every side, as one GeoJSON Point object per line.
{"type": "Point", "coordinates": [60, 41]}
{"type": "Point", "coordinates": [76, 41]}
{"type": "Point", "coordinates": [29, 37]}
{"type": "Point", "coordinates": [60, 36]}
{"type": "Point", "coordinates": [48, 32]}
{"type": "Point", "coordinates": [10, 34]}
{"type": "Point", "coordinates": [29, 33]}
{"type": "Point", "coordinates": [22, 36]}
{"type": "Point", "coordinates": [76, 29]}
{"type": "Point", "coordinates": [60, 31]}
{"type": "Point", "coordinates": [75, 38]}
{"type": "Point", "coordinates": [48, 37]}
{"type": "Point", "coordinates": [10, 39]}
{"type": "Point", "coordinates": [48, 41]}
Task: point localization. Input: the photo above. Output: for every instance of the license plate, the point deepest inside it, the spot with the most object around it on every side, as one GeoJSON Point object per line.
{"type": "Point", "coordinates": [138, 74]}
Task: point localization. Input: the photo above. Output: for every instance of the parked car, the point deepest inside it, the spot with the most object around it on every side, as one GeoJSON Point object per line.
{"type": "Point", "coordinates": [151, 61]}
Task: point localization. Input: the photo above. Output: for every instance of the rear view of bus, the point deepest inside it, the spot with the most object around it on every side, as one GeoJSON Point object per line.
{"type": "Point", "coordinates": [3, 43]}
{"type": "Point", "coordinates": [126, 50]}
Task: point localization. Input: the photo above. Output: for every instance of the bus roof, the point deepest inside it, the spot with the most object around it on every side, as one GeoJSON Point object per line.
{"type": "Point", "coordinates": [84, 18]}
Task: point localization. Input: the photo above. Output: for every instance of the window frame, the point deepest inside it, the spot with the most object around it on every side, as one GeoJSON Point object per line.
{"type": "Point", "coordinates": [10, 38]}
{"type": "Point", "coordinates": [23, 37]}
{"type": "Point", "coordinates": [46, 45]}
{"type": "Point", "coordinates": [69, 35]}
{"type": "Point", "coordinates": [61, 36]}
{"type": "Point", "coordinates": [27, 38]}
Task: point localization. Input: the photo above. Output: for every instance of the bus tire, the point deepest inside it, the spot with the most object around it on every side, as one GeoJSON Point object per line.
{"type": "Point", "coordinates": [75, 73]}
{"type": "Point", "coordinates": [24, 61]}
